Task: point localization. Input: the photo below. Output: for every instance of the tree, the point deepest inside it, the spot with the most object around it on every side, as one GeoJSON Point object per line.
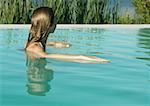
{"type": "Point", "coordinates": [126, 18]}
{"type": "Point", "coordinates": [142, 8]}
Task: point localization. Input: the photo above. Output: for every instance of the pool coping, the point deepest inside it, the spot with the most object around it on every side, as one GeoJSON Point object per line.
{"type": "Point", "coordinates": [73, 26]}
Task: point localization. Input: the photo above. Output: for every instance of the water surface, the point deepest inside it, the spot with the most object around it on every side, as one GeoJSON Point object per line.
{"type": "Point", "coordinates": [43, 82]}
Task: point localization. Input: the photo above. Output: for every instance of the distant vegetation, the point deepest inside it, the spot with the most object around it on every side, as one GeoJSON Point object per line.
{"type": "Point", "coordinates": [76, 11]}
{"type": "Point", "coordinates": [142, 8]}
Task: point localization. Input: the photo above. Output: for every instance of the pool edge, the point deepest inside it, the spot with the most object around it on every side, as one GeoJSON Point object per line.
{"type": "Point", "coordinates": [72, 26]}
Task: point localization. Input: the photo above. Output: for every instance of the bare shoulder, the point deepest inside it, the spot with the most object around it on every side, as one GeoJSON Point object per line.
{"type": "Point", "coordinates": [34, 47]}
{"type": "Point", "coordinates": [36, 50]}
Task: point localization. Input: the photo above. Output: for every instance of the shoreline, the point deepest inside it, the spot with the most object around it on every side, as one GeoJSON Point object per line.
{"type": "Point", "coordinates": [73, 26]}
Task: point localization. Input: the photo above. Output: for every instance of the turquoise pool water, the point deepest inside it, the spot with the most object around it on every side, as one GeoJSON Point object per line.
{"type": "Point", "coordinates": [125, 81]}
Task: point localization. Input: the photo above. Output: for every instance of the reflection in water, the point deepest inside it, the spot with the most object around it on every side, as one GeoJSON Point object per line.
{"type": "Point", "coordinates": [83, 34]}
{"type": "Point", "coordinates": [144, 42]}
{"type": "Point", "coordinates": [38, 76]}
{"type": "Point", "coordinates": [85, 41]}
{"type": "Point", "coordinates": [8, 36]}
{"type": "Point", "coordinates": [91, 30]}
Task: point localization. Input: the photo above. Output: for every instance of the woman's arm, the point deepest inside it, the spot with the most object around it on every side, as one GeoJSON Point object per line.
{"type": "Point", "coordinates": [73, 58]}
{"type": "Point", "coordinates": [38, 52]}
{"type": "Point", "coordinates": [58, 44]}
{"type": "Point", "coordinates": [76, 58]}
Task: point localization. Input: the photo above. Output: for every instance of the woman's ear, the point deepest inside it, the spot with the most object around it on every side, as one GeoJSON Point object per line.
{"type": "Point", "coordinates": [53, 27]}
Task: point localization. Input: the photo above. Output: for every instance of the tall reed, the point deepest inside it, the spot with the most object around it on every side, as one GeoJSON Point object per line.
{"type": "Point", "coordinates": [15, 11]}
{"type": "Point", "coordinates": [66, 11]}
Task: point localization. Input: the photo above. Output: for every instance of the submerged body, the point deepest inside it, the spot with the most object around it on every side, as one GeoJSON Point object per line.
{"type": "Point", "coordinates": [43, 22]}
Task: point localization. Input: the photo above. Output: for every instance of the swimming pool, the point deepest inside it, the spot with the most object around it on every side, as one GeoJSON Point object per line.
{"type": "Point", "coordinates": [125, 81]}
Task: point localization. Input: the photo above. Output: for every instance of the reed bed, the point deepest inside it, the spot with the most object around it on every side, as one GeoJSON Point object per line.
{"type": "Point", "coordinates": [68, 11]}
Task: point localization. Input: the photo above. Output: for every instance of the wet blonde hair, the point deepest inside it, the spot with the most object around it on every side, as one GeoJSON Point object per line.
{"type": "Point", "coordinates": [41, 25]}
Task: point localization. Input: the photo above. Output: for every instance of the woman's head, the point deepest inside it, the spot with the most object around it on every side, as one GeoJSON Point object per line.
{"type": "Point", "coordinates": [42, 23]}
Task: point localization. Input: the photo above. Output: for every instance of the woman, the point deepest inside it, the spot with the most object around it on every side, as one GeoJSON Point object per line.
{"type": "Point", "coordinates": [43, 22]}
